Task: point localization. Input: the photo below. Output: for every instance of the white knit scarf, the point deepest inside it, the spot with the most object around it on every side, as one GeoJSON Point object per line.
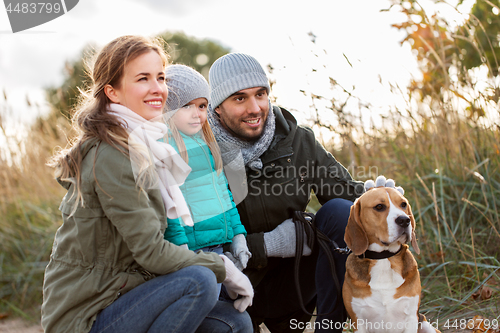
{"type": "Point", "coordinates": [170, 167]}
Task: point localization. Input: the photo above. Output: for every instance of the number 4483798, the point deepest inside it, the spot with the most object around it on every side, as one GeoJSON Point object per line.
{"type": "Point", "coordinates": [39, 7]}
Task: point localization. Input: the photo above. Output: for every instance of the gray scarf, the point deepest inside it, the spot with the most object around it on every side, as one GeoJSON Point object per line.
{"type": "Point", "coordinates": [234, 149]}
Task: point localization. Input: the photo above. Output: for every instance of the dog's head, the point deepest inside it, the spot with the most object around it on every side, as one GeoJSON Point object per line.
{"type": "Point", "coordinates": [381, 219]}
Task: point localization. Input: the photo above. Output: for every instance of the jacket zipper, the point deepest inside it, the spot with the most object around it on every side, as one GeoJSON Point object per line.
{"type": "Point", "coordinates": [268, 226]}
{"type": "Point", "coordinates": [214, 184]}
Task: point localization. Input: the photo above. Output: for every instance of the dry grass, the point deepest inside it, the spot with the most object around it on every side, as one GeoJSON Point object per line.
{"type": "Point", "coordinates": [446, 154]}
{"type": "Point", "coordinates": [29, 199]}
{"type": "Point", "coordinates": [449, 165]}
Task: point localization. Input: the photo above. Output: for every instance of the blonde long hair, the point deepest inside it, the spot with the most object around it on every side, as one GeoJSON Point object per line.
{"type": "Point", "coordinates": [91, 119]}
{"type": "Point", "coordinates": [208, 137]}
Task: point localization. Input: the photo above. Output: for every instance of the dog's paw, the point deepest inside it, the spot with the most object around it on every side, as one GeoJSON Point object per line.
{"type": "Point", "coordinates": [369, 184]}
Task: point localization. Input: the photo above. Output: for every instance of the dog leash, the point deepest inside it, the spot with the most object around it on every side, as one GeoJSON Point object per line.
{"type": "Point", "coordinates": [305, 225]}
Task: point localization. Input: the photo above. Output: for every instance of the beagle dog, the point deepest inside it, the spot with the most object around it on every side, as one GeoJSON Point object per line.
{"type": "Point", "coordinates": [382, 288]}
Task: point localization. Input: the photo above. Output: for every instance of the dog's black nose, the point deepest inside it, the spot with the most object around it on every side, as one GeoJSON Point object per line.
{"type": "Point", "coordinates": [403, 221]}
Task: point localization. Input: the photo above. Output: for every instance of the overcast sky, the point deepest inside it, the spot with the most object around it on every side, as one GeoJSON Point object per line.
{"type": "Point", "coordinates": [275, 32]}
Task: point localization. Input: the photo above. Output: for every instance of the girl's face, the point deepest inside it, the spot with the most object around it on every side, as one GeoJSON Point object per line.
{"type": "Point", "coordinates": [142, 87]}
{"type": "Point", "coordinates": [191, 117]}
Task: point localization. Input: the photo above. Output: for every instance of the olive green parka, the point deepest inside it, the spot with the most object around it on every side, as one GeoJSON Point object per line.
{"type": "Point", "coordinates": [110, 245]}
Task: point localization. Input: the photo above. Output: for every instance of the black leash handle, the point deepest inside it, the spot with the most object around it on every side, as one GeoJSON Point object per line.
{"type": "Point", "coordinates": [305, 225]}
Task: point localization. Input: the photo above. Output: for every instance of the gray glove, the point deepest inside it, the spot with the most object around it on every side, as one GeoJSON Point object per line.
{"type": "Point", "coordinates": [281, 241]}
{"type": "Point", "coordinates": [240, 252]}
{"type": "Point", "coordinates": [230, 256]}
{"type": "Point", "coordinates": [381, 181]}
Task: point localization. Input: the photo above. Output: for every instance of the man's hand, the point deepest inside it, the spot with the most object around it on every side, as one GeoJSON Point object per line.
{"type": "Point", "coordinates": [281, 241]}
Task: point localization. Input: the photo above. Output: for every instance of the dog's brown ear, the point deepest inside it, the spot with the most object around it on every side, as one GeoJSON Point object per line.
{"type": "Point", "coordinates": [355, 235]}
{"type": "Point", "coordinates": [414, 242]}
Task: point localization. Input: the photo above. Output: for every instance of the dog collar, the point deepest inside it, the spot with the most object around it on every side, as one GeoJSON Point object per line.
{"type": "Point", "coordinates": [378, 255]}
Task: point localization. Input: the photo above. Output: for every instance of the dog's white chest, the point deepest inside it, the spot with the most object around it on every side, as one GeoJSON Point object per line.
{"type": "Point", "coordinates": [381, 312]}
{"type": "Point", "coordinates": [384, 278]}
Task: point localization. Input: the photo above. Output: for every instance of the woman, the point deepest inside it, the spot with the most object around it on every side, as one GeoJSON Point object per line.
{"type": "Point", "coordinates": [110, 269]}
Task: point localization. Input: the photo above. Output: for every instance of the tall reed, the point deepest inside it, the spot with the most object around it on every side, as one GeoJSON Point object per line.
{"type": "Point", "coordinates": [29, 199]}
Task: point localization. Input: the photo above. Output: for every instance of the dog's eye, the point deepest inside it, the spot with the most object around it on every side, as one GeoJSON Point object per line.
{"type": "Point", "coordinates": [404, 204]}
{"type": "Point", "coordinates": [380, 207]}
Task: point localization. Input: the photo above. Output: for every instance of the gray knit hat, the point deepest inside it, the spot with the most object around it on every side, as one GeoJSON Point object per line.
{"type": "Point", "coordinates": [234, 72]}
{"type": "Point", "coordinates": [184, 85]}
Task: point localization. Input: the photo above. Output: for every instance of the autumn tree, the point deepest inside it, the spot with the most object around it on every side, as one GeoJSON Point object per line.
{"type": "Point", "coordinates": [447, 54]}
{"type": "Point", "coordinates": [479, 38]}
{"type": "Point", "coordinates": [199, 54]}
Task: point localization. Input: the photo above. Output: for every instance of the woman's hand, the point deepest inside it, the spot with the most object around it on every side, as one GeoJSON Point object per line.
{"type": "Point", "coordinates": [237, 284]}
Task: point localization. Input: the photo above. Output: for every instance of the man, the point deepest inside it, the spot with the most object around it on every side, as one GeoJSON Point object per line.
{"type": "Point", "coordinates": [283, 163]}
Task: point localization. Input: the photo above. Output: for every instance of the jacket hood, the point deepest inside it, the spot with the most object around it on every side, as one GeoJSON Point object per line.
{"type": "Point", "coordinates": [85, 148]}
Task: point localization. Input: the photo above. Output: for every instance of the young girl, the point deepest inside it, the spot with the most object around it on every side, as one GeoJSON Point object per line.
{"type": "Point", "coordinates": [216, 219]}
{"type": "Point", "coordinates": [111, 269]}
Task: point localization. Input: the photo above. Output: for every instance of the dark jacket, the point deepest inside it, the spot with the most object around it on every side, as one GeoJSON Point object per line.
{"type": "Point", "coordinates": [295, 164]}
{"type": "Point", "coordinates": [111, 245]}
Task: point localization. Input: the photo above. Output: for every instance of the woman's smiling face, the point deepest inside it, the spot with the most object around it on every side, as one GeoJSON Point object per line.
{"type": "Point", "coordinates": [142, 88]}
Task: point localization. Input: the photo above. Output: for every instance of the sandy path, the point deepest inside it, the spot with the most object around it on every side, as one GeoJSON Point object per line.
{"type": "Point", "coordinates": [19, 326]}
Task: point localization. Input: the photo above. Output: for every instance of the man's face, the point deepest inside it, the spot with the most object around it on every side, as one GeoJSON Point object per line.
{"type": "Point", "coordinates": [244, 113]}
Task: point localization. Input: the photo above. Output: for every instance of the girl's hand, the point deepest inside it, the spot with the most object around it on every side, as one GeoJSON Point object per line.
{"type": "Point", "coordinates": [240, 252]}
